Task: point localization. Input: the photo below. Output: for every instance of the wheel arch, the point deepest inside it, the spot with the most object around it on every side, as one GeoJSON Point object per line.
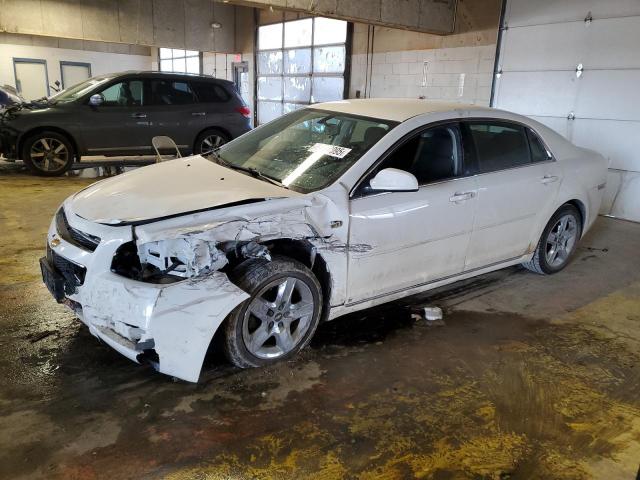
{"type": "Point", "coordinates": [306, 253]}
{"type": "Point", "coordinates": [35, 130]}
{"type": "Point", "coordinates": [582, 209]}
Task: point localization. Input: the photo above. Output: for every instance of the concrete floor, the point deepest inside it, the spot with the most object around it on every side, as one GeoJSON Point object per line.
{"type": "Point", "coordinates": [530, 377]}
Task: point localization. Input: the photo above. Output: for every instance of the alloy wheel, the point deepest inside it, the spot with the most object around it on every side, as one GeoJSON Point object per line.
{"type": "Point", "coordinates": [49, 154]}
{"type": "Point", "coordinates": [561, 240]}
{"type": "Point", "coordinates": [278, 317]}
{"type": "Point", "coordinates": [211, 143]}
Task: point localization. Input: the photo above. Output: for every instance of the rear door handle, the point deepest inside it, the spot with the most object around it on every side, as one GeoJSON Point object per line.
{"type": "Point", "coordinates": [138, 115]}
{"type": "Point", "coordinates": [198, 114]}
{"type": "Point", "coordinates": [549, 179]}
{"type": "Point", "coordinates": [461, 196]}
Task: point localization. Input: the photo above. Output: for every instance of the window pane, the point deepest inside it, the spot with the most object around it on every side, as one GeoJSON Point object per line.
{"type": "Point", "coordinates": [166, 92]}
{"type": "Point", "coordinates": [268, 111]}
{"type": "Point", "coordinates": [178, 52]}
{"type": "Point", "coordinates": [191, 53]}
{"type": "Point", "coordinates": [123, 94]}
{"type": "Point", "coordinates": [193, 65]}
{"type": "Point", "coordinates": [297, 89]}
{"type": "Point", "coordinates": [329, 59]}
{"type": "Point", "coordinates": [298, 33]}
{"type": "Point", "coordinates": [270, 88]}
{"type": "Point", "coordinates": [328, 30]}
{"type": "Point", "coordinates": [165, 53]}
{"type": "Point", "coordinates": [499, 145]}
{"type": "Point", "coordinates": [210, 92]}
{"type": "Point", "coordinates": [270, 62]}
{"type": "Point", "coordinates": [297, 61]}
{"type": "Point", "coordinates": [179, 65]}
{"type": "Point", "coordinates": [438, 156]}
{"type": "Point", "coordinates": [270, 36]}
{"type": "Point", "coordinates": [166, 65]}
{"type": "Point", "coordinates": [326, 89]}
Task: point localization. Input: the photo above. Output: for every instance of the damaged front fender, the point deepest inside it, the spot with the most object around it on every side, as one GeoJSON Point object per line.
{"type": "Point", "coordinates": [178, 320]}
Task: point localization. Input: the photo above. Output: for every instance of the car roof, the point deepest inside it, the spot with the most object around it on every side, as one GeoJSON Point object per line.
{"type": "Point", "coordinates": [151, 73]}
{"type": "Point", "coordinates": [394, 109]}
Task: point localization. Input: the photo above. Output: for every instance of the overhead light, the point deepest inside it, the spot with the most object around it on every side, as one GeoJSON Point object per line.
{"type": "Point", "coordinates": [216, 25]}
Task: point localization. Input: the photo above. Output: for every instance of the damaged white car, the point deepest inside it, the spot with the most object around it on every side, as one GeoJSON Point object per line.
{"type": "Point", "coordinates": [324, 211]}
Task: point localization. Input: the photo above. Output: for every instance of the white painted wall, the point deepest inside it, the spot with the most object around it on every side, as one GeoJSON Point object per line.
{"type": "Point", "coordinates": [456, 74]}
{"type": "Point", "coordinates": [597, 107]}
{"type": "Point", "coordinates": [101, 62]}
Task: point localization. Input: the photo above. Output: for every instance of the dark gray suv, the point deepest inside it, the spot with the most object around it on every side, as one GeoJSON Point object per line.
{"type": "Point", "coordinates": [119, 114]}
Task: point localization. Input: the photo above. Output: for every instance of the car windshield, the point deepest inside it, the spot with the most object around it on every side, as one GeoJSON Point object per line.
{"type": "Point", "coordinates": [77, 91]}
{"type": "Point", "coordinates": [305, 150]}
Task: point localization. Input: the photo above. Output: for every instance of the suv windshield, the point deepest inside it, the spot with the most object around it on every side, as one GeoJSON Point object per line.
{"type": "Point", "coordinates": [73, 93]}
{"type": "Point", "coordinates": [305, 150]}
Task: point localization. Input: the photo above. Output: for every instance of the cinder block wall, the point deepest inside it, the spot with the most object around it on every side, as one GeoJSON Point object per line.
{"type": "Point", "coordinates": [459, 67]}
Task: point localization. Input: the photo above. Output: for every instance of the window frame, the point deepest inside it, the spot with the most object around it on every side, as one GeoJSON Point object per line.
{"type": "Point", "coordinates": [344, 75]}
{"type": "Point", "coordinates": [355, 191]}
{"type": "Point", "coordinates": [116, 81]}
{"type": "Point", "coordinates": [464, 123]}
{"type": "Point", "coordinates": [358, 190]}
{"type": "Point", "coordinates": [185, 56]}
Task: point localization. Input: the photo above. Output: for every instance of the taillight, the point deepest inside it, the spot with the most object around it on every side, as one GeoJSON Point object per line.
{"type": "Point", "coordinates": [244, 110]}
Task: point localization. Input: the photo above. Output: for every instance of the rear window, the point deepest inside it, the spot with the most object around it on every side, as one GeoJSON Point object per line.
{"type": "Point", "coordinates": [210, 92]}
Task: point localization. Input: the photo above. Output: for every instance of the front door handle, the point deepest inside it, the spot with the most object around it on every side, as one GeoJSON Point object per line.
{"type": "Point", "coordinates": [198, 114]}
{"type": "Point", "coordinates": [549, 179]}
{"type": "Point", "coordinates": [138, 115]}
{"type": "Point", "coordinates": [461, 196]}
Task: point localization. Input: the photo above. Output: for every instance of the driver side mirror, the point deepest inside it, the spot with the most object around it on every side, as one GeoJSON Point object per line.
{"type": "Point", "coordinates": [394, 180]}
{"type": "Point", "coordinates": [95, 100]}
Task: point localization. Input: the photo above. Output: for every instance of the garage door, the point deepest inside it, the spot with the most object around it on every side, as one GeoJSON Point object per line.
{"type": "Point", "coordinates": [574, 65]}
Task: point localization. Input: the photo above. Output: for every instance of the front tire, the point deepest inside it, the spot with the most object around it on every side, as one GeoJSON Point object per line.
{"type": "Point", "coordinates": [279, 318]}
{"type": "Point", "coordinates": [48, 153]}
{"type": "Point", "coordinates": [558, 242]}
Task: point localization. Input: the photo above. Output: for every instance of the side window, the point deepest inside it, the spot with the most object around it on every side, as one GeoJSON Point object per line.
{"type": "Point", "coordinates": [170, 92]}
{"type": "Point", "coordinates": [539, 152]}
{"type": "Point", "coordinates": [210, 92]}
{"type": "Point", "coordinates": [498, 145]}
{"type": "Point", "coordinates": [432, 155]}
{"type": "Point", "coordinates": [123, 94]}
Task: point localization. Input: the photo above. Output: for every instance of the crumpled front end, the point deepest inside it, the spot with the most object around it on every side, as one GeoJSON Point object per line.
{"type": "Point", "coordinates": [158, 292]}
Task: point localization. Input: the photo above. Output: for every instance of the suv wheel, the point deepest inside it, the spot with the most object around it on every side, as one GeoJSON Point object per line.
{"type": "Point", "coordinates": [209, 140]}
{"type": "Point", "coordinates": [48, 153]}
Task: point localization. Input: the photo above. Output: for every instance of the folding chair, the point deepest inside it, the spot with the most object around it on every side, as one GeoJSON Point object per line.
{"type": "Point", "coordinates": [165, 143]}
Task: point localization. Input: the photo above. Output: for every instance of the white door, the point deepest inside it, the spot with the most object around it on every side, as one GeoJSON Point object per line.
{"type": "Point", "coordinates": [74, 73]}
{"type": "Point", "coordinates": [575, 66]}
{"type": "Point", "coordinates": [404, 239]}
{"type": "Point", "coordinates": [31, 78]}
{"type": "Point", "coordinates": [517, 186]}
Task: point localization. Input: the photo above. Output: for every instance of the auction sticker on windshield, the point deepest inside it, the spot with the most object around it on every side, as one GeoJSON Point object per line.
{"type": "Point", "coordinates": [332, 150]}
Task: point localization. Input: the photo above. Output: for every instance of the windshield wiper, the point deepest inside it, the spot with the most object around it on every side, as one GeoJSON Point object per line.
{"type": "Point", "coordinates": [250, 170]}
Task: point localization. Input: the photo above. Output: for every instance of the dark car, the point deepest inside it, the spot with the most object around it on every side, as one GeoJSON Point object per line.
{"type": "Point", "coordinates": [119, 114]}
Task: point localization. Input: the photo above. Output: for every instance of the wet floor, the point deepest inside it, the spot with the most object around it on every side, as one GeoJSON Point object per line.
{"type": "Point", "coordinates": [529, 377]}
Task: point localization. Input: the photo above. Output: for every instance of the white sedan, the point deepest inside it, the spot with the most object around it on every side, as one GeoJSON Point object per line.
{"type": "Point", "coordinates": [327, 210]}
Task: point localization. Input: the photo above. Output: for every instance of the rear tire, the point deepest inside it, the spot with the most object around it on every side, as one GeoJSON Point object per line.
{"type": "Point", "coordinates": [48, 153]}
{"type": "Point", "coordinates": [558, 242]}
{"type": "Point", "coordinates": [209, 140]}
{"type": "Point", "coordinates": [279, 318]}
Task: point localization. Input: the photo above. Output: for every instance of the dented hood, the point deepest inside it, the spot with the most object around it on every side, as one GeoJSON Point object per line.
{"type": "Point", "coordinates": [168, 189]}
